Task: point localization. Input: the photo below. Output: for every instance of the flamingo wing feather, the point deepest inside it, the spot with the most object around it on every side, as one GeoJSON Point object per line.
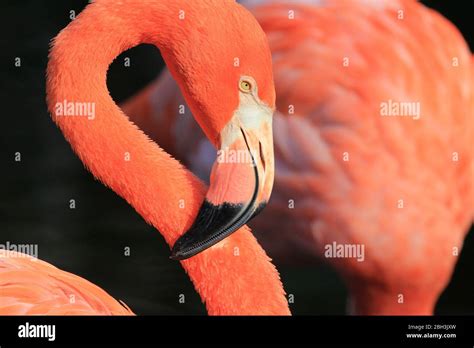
{"type": "Point", "coordinates": [30, 286]}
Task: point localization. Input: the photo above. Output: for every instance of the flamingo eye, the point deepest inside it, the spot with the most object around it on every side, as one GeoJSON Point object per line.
{"type": "Point", "coordinates": [245, 86]}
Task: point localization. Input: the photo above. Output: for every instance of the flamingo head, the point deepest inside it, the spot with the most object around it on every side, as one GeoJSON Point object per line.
{"type": "Point", "coordinates": [224, 70]}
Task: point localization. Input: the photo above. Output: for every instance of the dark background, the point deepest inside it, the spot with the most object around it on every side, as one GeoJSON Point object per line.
{"type": "Point", "coordinates": [90, 240]}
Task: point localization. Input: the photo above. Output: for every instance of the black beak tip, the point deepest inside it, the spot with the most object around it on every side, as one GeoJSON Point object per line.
{"type": "Point", "coordinates": [175, 256]}
{"type": "Point", "coordinates": [177, 251]}
{"type": "Point", "coordinates": [213, 224]}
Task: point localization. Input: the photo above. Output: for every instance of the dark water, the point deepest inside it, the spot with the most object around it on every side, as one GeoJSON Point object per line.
{"type": "Point", "coordinates": [90, 239]}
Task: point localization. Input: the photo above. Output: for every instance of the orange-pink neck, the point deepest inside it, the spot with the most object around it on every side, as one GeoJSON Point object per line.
{"type": "Point", "coordinates": [236, 277]}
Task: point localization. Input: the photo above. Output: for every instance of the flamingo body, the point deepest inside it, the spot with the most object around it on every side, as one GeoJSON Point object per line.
{"type": "Point", "coordinates": [30, 286]}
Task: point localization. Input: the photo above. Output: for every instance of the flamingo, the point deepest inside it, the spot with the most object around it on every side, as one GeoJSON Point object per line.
{"type": "Point", "coordinates": [399, 187]}
{"type": "Point", "coordinates": [233, 103]}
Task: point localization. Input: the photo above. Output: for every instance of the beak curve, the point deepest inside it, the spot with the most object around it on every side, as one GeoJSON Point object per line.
{"type": "Point", "coordinates": [240, 185]}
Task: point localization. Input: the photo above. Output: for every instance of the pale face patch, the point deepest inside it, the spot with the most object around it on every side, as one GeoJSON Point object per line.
{"type": "Point", "coordinates": [251, 114]}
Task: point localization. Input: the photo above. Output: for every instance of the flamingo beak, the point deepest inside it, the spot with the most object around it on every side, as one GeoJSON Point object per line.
{"type": "Point", "coordinates": [241, 181]}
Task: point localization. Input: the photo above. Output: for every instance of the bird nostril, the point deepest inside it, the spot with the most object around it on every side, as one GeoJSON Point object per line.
{"type": "Point", "coordinates": [262, 158]}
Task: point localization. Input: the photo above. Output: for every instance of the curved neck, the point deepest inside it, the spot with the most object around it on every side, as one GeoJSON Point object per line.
{"type": "Point", "coordinates": [234, 277]}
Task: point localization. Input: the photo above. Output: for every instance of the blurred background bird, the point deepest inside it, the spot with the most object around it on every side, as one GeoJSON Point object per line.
{"type": "Point", "coordinates": [395, 185]}
{"type": "Point", "coordinates": [100, 229]}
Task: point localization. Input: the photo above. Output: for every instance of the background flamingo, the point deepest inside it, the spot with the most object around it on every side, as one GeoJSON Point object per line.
{"type": "Point", "coordinates": [401, 187]}
{"type": "Point", "coordinates": [34, 287]}
{"type": "Point", "coordinates": [235, 277]}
